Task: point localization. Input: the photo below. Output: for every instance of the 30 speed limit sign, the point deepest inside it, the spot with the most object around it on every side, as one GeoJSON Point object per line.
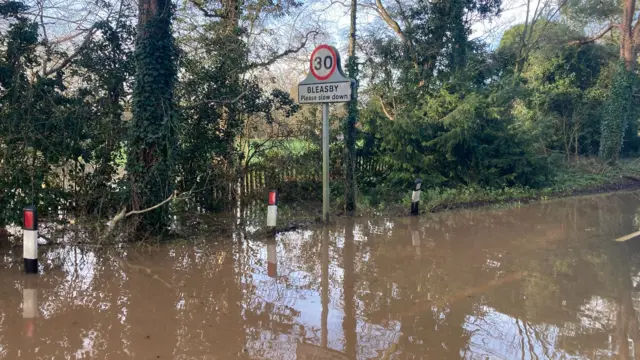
{"type": "Point", "coordinates": [325, 82]}
{"type": "Point", "coordinates": [324, 61]}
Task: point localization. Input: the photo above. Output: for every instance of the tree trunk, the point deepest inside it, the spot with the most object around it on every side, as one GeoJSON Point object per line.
{"type": "Point", "coordinates": [152, 137]}
{"type": "Point", "coordinates": [350, 121]}
{"type": "Point", "coordinates": [628, 51]}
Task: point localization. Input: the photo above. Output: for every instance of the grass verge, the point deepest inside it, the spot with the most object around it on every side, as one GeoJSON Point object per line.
{"type": "Point", "coordinates": [582, 177]}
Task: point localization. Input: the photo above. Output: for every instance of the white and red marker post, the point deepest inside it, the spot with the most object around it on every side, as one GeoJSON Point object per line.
{"type": "Point", "coordinates": [30, 240]}
{"type": "Point", "coordinates": [272, 220]}
{"type": "Point", "coordinates": [272, 210]}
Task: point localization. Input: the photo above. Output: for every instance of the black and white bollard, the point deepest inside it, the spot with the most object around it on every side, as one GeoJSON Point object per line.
{"type": "Point", "coordinates": [415, 198]}
{"type": "Point", "coordinates": [30, 240]}
{"type": "Point", "coordinates": [272, 210]}
{"type": "Point", "coordinates": [272, 259]}
{"type": "Point", "coordinates": [30, 305]}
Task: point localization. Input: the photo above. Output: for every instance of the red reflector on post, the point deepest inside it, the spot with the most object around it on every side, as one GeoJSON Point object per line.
{"type": "Point", "coordinates": [272, 269]}
{"type": "Point", "coordinates": [29, 327]}
{"type": "Point", "coordinates": [273, 197]}
{"type": "Point", "coordinates": [29, 219]}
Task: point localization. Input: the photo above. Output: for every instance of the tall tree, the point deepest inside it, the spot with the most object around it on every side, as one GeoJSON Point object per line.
{"type": "Point", "coordinates": [430, 43]}
{"type": "Point", "coordinates": [620, 16]}
{"type": "Point", "coordinates": [352, 118]}
{"type": "Point", "coordinates": [152, 137]}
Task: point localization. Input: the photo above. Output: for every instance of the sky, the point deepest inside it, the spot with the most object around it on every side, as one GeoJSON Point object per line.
{"type": "Point", "coordinates": [334, 19]}
{"type": "Point", "coordinates": [491, 30]}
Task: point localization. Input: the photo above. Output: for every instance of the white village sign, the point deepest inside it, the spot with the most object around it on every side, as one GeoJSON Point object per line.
{"type": "Point", "coordinates": [325, 83]}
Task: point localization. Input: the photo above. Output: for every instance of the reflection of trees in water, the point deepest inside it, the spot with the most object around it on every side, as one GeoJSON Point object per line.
{"type": "Point", "coordinates": [91, 290]}
{"type": "Point", "coordinates": [564, 248]}
{"type": "Point", "coordinates": [541, 281]}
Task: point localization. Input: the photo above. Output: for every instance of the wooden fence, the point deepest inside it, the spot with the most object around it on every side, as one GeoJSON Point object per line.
{"type": "Point", "coordinates": [257, 180]}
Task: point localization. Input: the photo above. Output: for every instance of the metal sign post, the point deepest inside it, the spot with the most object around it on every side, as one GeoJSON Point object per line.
{"type": "Point", "coordinates": [325, 162]}
{"type": "Point", "coordinates": [325, 84]}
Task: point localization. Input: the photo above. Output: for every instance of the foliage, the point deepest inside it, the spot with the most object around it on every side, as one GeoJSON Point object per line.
{"type": "Point", "coordinates": [561, 99]}
{"type": "Point", "coordinates": [435, 45]}
{"type": "Point", "coordinates": [618, 113]}
{"type": "Point", "coordinates": [460, 141]}
{"type": "Point", "coordinates": [574, 177]}
{"type": "Point", "coordinates": [107, 69]}
{"type": "Point", "coordinates": [474, 122]}
{"type": "Point", "coordinates": [57, 141]}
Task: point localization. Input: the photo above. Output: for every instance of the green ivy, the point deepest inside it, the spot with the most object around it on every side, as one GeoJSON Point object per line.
{"type": "Point", "coordinates": [152, 136]}
{"type": "Point", "coordinates": [349, 130]}
{"type": "Point", "coordinates": [618, 110]}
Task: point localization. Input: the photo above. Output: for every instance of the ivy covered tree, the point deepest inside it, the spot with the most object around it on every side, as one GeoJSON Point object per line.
{"type": "Point", "coordinates": [619, 18]}
{"type": "Point", "coordinates": [153, 137]}
{"type": "Point", "coordinates": [352, 118]}
{"type": "Point", "coordinates": [618, 112]}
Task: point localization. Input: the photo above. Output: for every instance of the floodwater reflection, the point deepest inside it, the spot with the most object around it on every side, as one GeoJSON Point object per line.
{"type": "Point", "coordinates": [543, 281]}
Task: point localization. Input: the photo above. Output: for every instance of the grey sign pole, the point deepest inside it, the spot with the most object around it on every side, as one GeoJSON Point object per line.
{"type": "Point", "coordinates": [325, 162]}
{"type": "Point", "coordinates": [325, 84]}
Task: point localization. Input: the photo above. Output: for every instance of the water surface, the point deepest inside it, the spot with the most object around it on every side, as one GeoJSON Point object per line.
{"type": "Point", "coordinates": [541, 281]}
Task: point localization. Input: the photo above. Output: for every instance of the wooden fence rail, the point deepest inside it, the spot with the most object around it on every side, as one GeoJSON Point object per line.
{"type": "Point", "coordinates": [258, 180]}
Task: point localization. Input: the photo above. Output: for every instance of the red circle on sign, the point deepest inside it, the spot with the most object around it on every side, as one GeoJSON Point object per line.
{"type": "Point", "coordinates": [334, 63]}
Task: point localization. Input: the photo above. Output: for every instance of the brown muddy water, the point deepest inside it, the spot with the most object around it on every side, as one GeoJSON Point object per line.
{"type": "Point", "coordinates": [541, 281]}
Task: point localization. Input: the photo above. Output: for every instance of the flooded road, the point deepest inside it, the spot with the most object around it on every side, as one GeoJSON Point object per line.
{"type": "Point", "coordinates": [542, 281]}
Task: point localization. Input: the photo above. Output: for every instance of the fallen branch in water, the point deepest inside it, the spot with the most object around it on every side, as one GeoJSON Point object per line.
{"type": "Point", "coordinates": [135, 212]}
{"type": "Point", "coordinates": [124, 214]}
{"type": "Point", "coordinates": [628, 237]}
{"type": "Point", "coordinates": [124, 263]}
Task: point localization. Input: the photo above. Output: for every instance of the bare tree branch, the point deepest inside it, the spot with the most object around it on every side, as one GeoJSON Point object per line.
{"type": "Point", "coordinates": [286, 52]}
{"type": "Point", "coordinates": [384, 14]}
{"type": "Point", "coordinates": [136, 212]}
{"type": "Point", "coordinates": [206, 12]}
{"type": "Point", "coordinates": [596, 37]}
{"type": "Point", "coordinates": [44, 32]}
{"type": "Point", "coordinates": [220, 101]}
{"type": "Point", "coordinates": [385, 111]}
{"type": "Point", "coordinates": [67, 38]}
{"type": "Point", "coordinates": [333, 2]}
{"type": "Point", "coordinates": [75, 54]}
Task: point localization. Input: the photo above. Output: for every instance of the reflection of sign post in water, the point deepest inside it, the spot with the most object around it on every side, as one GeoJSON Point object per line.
{"type": "Point", "coordinates": [326, 83]}
{"type": "Point", "coordinates": [324, 284]}
{"type": "Point", "coordinates": [313, 352]}
{"type": "Point", "coordinates": [309, 352]}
